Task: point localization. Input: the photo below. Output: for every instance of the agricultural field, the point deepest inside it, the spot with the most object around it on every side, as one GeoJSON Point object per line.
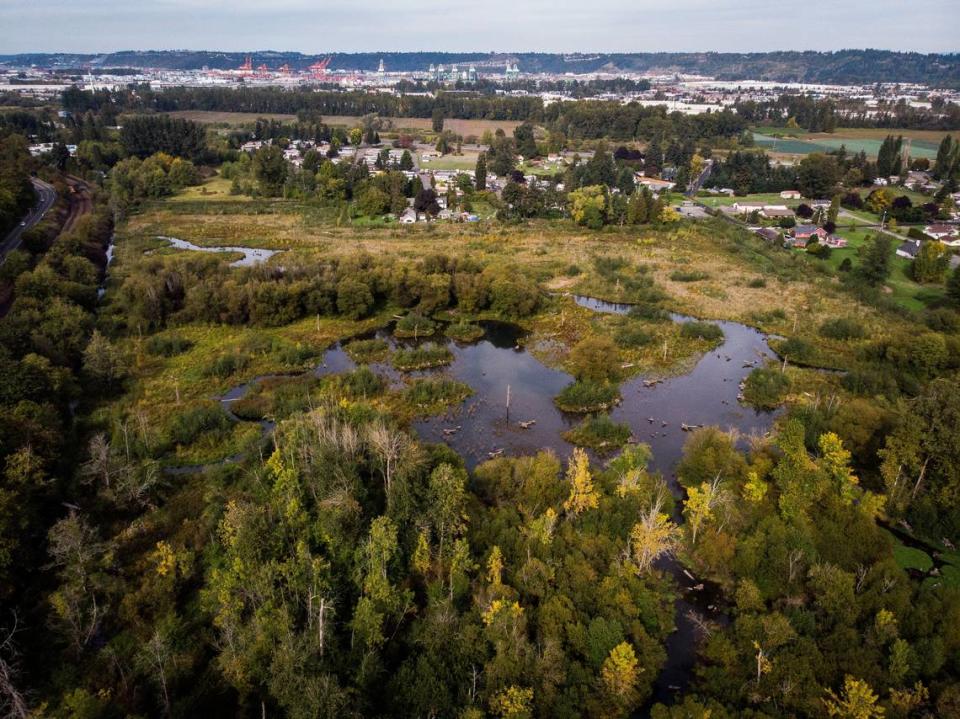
{"type": "Point", "coordinates": [785, 141]}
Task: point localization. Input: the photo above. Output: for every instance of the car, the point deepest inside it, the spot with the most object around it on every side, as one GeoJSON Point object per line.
{"type": "Point", "coordinates": [23, 224]}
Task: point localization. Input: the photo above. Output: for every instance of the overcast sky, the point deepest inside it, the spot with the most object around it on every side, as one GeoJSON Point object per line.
{"type": "Point", "coordinates": [318, 26]}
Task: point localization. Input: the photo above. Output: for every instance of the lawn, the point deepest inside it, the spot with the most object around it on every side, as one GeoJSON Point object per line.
{"type": "Point", "coordinates": [766, 198]}
{"type": "Point", "coordinates": [466, 161]}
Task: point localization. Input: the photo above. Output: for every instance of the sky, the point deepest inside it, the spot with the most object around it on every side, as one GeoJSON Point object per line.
{"type": "Point", "coordinates": [322, 26]}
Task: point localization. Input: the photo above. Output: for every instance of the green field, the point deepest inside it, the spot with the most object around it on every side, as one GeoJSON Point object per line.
{"type": "Point", "coordinates": [801, 142]}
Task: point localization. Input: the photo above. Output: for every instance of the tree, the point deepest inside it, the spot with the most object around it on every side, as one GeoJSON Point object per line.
{"type": "Point", "coordinates": [856, 701]}
{"type": "Point", "coordinates": [619, 676]}
{"type": "Point", "coordinates": [406, 161]}
{"type": "Point", "coordinates": [700, 505]}
{"type": "Point", "coordinates": [270, 170]}
{"type": "Point", "coordinates": [102, 361]}
{"type": "Point", "coordinates": [583, 495]}
{"type": "Point", "coordinates": [373, 202]}
{"type": "Point", "coordinates": [953, 286]}
{"type": "Point", "coordinates": [654, 536]}
{"type": "Point", "coordinates": [353, 298]}
{"type": "Point", "coordinates": [875, 266]}
{"type": "Point", "coordinates": [931, 262]}
{"type": "Point", "coordinates": [588, 206]}
{"type": "Point", "coordinates": [818, 175]}
{"type": "Point", "coordinates": [525, 141]}
{"type": "Point", "coordinates": [437, 119]}
{"type": "Point", "coordinates": [480, 174]}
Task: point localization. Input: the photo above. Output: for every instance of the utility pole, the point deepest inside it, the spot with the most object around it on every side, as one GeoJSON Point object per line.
{"type": "Point", "coordinates": [508, 403]}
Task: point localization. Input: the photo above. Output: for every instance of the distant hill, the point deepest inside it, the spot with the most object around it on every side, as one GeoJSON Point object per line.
{"type": "Point", "coordinates": [842, 66]}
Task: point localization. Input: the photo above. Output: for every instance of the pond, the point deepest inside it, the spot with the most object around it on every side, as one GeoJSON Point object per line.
{"type": "Point", "coordinates": [659, 413]}
{"type": "Point", "coordinates": [251, 255]}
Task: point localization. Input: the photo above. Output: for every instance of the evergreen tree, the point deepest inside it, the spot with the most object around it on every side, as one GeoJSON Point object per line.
{"type": "Point", "coordinates": [480, 174]}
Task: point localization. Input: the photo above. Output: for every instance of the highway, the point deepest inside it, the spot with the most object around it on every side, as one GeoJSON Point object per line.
{"type": "Point", "coordinates": [46, 195]}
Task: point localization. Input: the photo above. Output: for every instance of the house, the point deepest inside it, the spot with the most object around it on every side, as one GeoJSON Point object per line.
{"type": "Point", "coordinates": [835, 241]}
{"type": "Point", "coordinates": [773, 212]}
{"type": "Point", "coordinates": [947, 234]}
{"type": "Point", "coordinates": [408, 217]}
{"type": "Point", "coordinates": [799, 243]}
{"type": "Point", "coordinates": [810, 233]}
{"type": "Point", "coordinates": [909, 249]}
{"type": "Point", "coordinates": [769, 234]}
{"type": "Point", "coordinates": [790, 195]}
{"type": "Point", "coordinates": [654, 184]}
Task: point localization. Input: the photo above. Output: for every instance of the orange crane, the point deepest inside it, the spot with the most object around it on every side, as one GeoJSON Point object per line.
{"type": "Point", "coordinates": [319, 69]}
{"type": "Point", "coordinates": [247, 65]}
{"type": "Point", "coordinates": [262, 70]}
{"type": "Point", "coordinates": [285, 69]}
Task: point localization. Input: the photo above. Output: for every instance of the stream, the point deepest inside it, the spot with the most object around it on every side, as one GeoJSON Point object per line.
{"type": "Point", "coordinates": [251, 255]}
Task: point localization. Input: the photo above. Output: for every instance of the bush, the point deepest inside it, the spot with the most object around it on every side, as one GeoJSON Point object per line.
{"type": "Point", "coordinates": [650, 312]}
{"type": "Point", "coordinates": [514, 295]}
{"type": "Point", "coordinates": [168, 345]}
{"type": "Point", "coordinates": [756, 283]}
{"type": "Point", "coordinates": [701, 330]}
{"type": "Point", "coordinates": [354, 298]}
{"type": "Point", "coordinates": [186, 426]}
{"type": "Point", "coordinates": [435, 391]}
{"type": "Point", "coordinates": [423, 357]}
{"type": "Point", "coordinates": [464, 331]}
{"type": "Point", "coordinates": [632, 336]}
{"type": "Point", "coordinates": [796, 349]}
{"type": "Point", "coordinates": [842, 328]}
{"type": "Point", "coordinates": [415, 325]}
{"type": "Point", "coordinates": [599, 432]}
{"type": "Point", "coordinates": [227, 364]}
{"type": "Point", "coordinates": [367, 351]}
{"type": "Point", "coordinates": [688, 276]}
{"type": "Point", "coordinates": [582, 397]}
{"type": "Point", "coordinates": [362, 383]}
{"type": "Point", "coordinates": [594, 359]}
{"type": "Point", "coordinates": [765, 388]}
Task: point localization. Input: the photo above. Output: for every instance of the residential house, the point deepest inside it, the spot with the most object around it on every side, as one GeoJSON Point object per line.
{"type": "Point", "coordinates": [790, 195]}
{"type": "Point", "coordinates": [654, 184]}
{"type": "Point", "coordinates": [409, 216]}
{"type": "Point", "coordinates": [810, 233]}
{"type": "Point", "coordinates": [909, 249]}
{"type": "Point", "coordinates": [775, 212]}
{"type": "Point", "coordinates": [947, 234]}
{"type": "Point", "coordinates": [835, 241]}
{"type": "Point", "coordinates": [769, 234]}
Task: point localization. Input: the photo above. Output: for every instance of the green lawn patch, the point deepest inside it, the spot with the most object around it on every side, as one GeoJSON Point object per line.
{"type": "Point", "coordinates": [600, 433]}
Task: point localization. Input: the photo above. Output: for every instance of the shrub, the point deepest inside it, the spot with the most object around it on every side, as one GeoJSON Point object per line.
{"type": "Point", "coordinates": [354, 298]}
{"type": "Point", "coordinates": [415, 325]}
{"type": "Point", "coordinates": [431, 392]}
{"type": "Point", "coordinates": [599, 432]}
{"type": "Point", "coordinates": [757, 283]}
{"type": "Point", "coordinates": [572, 271]}
{"type": "Point", "coordinates": [367, 351]}
{"type": "Point", "coordinates": [594, 359]}
{"type": "Point", "coordinates": [227, 364]}
{"type": "Point", "coordinates": [362, 382]}
{"type": "Point", "coordinates": [187, 425]}
{"type": "Point", "coordinates": [650, 312]}
{"type": "Point", "coordinates": [423, 357]}
{"type": "Point", "coordinates": [168, 345]}
{"type": "Point", "coordinates": [796, 349]}
{"type": "Point", "coordinates": [701, 330]}
{"type": "Point", "coordinates": [514, 295]}
{"type": "Point", "coordinates": [464, 331]}
{"type": "Point", "coordinates": [632, 336]}
{"type": "Point", "coordinates": [842, 328]}
{"type": "Point", "coordinates": [765, 388]}
{"type": "Point", "coordinates": [583, 397]}
{"type": "Point", "coordinates": [688, 276]}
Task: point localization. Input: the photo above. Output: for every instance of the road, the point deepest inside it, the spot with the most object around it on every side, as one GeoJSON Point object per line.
{"type": "Point", "coordinates": [46, 196]}
{"type": "Point", "coordinates": [695, 186]}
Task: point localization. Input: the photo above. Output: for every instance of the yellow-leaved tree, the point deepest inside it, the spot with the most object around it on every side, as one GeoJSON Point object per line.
{"type": "Point", "coordinates": [583, 495]}
{"type": "Point", "coordinates": [856, 701]}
